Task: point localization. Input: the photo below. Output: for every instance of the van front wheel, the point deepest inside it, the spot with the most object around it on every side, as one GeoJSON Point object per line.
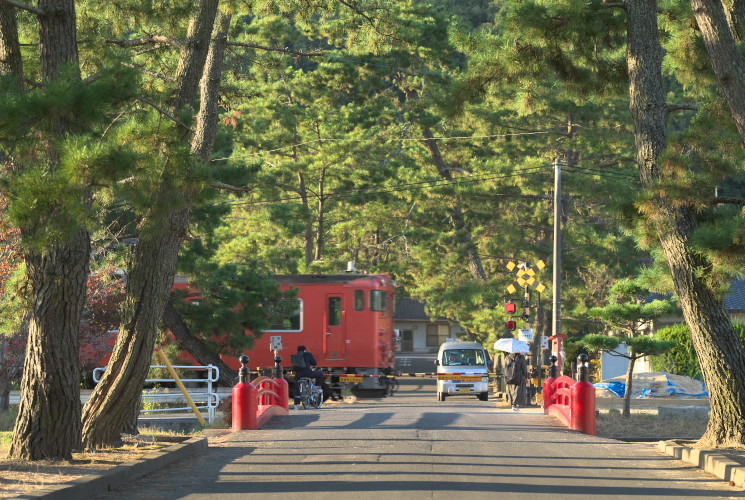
{"type": "Point", "coordinates": [484, 396]}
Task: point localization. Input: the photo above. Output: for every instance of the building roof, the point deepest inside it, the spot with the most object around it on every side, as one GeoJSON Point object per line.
{"type": "Point", "coordinates": [735, 299]}
{"type": "Point", "coordinates": [412, 310]}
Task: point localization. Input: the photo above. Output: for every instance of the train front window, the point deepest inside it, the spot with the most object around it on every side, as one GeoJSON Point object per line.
{"type": "Point", "coordinates": [377, 300]}
{"type": "Point", "coordinates": [334, 311]}
{"type": "Point", "coordinates": [287, 315]}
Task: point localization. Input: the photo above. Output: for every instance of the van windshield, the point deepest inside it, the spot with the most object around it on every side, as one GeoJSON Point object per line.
{"type": "Point", "coordinates": [463, 357]}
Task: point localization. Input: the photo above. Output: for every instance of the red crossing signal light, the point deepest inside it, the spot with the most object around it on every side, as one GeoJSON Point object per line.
{"type": "Point", "coordinates": [510, 308]}
{"type": "Point", "coordinates": [512, 325]}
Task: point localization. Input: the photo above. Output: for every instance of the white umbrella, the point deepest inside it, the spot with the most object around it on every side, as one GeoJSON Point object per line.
{"type": "Point", "coordinates": [511, 345]}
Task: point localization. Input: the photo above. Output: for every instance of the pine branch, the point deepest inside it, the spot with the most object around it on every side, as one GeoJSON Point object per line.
{"type": "Point", "coordinates": [614, 5]}
{"type": "Point", "coordinates": [682, 107]}
{"type": "Point", "coordinates": [167, 40]}
{"type": "Point", "coordinates": [277, 49]}
{"type": "Point", "coordinates": [367, 18]}
{"type": "Point", "coordinates": [227, 187]}
{"type": "Point", "coordinates": [151, 73]}
{"type": "Point", "coordinates": [164, 112]}
{"type": "Point", "coordinates": [26, 7]}
{"type": "Point", "coordinates": [723, 199]}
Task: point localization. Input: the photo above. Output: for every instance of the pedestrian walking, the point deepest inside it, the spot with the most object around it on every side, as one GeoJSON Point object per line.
{"type": "Point", "coordinates": [516, 377]}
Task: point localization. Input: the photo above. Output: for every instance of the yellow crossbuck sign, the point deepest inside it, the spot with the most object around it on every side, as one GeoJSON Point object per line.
{"type": "Point", "coordinates": [522, 272]}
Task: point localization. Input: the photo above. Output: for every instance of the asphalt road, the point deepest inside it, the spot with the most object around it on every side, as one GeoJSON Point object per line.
{"type": "Point", "coordinates": [411, 446]}
{"type": "Point", "coordinates": [415, 362]}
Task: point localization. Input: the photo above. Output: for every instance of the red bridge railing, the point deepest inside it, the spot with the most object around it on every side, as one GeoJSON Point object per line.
{"type": "Point", "coordinates": [255, 403]}
{"type": "Point", "coordinates": [571, 402]}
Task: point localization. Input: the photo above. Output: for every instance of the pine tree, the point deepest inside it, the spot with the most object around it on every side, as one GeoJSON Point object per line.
{"type": "Point", "coordinates": [54, 153]}
{"type": "Point", "coordinates": [629, 313]}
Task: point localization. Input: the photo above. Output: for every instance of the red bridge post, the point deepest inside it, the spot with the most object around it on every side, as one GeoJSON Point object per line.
{"type": "Point", "coordinates": [548, 385]}
{"type": "Point", "coordinates": [583, 400]}
{"type": "Point", "coordinates": [244, 400]}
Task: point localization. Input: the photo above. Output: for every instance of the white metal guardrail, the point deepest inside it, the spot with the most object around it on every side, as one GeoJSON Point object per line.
{"type": "Point", "coordinates": [205, 396]}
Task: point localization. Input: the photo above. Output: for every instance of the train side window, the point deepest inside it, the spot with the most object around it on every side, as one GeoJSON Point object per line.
{"type": "Point", "coordinates": [334, 311]}
{"type": "Point", "coordinates": [359, 300]}
{"type": "Point", "coordinates": [287, 316]}
{"type": "Point", "coordinates": [377, 300]}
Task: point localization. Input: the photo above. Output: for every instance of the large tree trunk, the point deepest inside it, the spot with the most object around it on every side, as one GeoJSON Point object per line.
{"type": "Point", "coordinates": [717, 345]}
{"type": "Point", "coordinates": [109, 412]}
{"type": "Point", "coordinates": [728, 63]}
{"type": "Point", "coordinates": [48, 424]}
{"type": "Point", "coordinates": [457, 218]}
{"type": "Point", "coordinates": [194, 346]}
{"type": "Point", "coordinates": [11, 62]}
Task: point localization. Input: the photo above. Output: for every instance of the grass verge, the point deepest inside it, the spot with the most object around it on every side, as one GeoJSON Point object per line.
{"type": "Point", "coordinates": [647, 426]}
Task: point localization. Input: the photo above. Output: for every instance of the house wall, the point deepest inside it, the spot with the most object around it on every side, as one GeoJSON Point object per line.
{"type": "Point", "coordinates": [419, 331]}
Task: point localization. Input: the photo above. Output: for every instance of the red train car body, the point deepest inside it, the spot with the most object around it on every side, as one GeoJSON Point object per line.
{"type": "Point", "coordinates": [345, 320]}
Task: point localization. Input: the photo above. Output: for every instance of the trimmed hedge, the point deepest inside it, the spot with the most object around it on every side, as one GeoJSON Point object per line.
{"type": "Point", "coordinates": [682, 359]}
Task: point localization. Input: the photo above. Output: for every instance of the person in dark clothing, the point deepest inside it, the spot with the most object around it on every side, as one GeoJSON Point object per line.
{"type": "Point", "coordinates": [308, 372]}
{"type": "Point", "coordinates": [517, 387]}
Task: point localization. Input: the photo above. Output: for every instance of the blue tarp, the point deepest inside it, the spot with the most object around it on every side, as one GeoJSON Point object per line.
{"type": "Point", "coordinates": [619, 389]}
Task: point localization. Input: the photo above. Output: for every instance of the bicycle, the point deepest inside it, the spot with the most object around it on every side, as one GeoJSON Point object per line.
{"type": "Point", "coordinates": [309, 393]}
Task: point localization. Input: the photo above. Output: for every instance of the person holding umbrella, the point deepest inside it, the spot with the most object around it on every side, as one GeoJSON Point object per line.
{"type": "Point", "coordinates": [516, 371]}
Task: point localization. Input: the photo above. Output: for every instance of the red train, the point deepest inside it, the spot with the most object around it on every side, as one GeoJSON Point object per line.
{"type": "Point", "coordinates": [345, 320]}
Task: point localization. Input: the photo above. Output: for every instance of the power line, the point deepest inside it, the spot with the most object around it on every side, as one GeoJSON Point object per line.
{"type": "Point", "coordinates": [386, 66]}
{"type": "Point", "coordinates": [398, 187]}
{"type": "Point", "coordinates": [601, 173]}
{"type": "Point", "coordinates": [404, 139]}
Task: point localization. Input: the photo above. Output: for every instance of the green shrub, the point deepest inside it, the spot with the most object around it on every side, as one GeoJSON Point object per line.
{"type": "Point", "coordinates": [682, 359]}
{"type": "Point", "coordinates": [5, 443]}
{"type": "Point", "coordinates": [8, 419]}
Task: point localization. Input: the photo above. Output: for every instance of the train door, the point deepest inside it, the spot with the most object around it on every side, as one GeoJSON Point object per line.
{"type": "Point", "coordinates": [335, 327]}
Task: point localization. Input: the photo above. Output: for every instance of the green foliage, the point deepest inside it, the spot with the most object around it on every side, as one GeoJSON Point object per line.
{"type": "Point", "coordinates": [638, 346]}
{"type": "Point", "coordinates": [14, 302]}
{"type": "Point", "coordinates": [226, 300]}
{"type": "Point", "coordinates": [628, 309]}
{"type": "Point", "coordinates": [682, 359]}
{"type": "Point", "coordinates": [7, 421]}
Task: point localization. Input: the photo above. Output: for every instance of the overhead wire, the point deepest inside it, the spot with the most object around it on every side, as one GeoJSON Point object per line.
{"type": "Point", "coordinates": [431, 183]}
{"type": "Point", "coordinates": [601, 173]}
{"type": "Point", "coordinates": [371, 139]}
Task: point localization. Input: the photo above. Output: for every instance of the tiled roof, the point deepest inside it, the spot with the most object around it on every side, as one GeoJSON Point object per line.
{"type": "Point", "coordinates": [735, 299]}
{"type": "Point", "coordinates": [410, 309]}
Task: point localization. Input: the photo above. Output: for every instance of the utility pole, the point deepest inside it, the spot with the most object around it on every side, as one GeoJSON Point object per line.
{"type": "Point", "coordinates": [556, 323]}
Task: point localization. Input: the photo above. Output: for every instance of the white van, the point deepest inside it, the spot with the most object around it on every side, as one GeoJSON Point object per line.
{"type": "Point", "coordinates": [462, 368]}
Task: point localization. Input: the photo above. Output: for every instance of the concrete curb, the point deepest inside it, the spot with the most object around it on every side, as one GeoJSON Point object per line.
{"type": "Point", "coordinates": [712, 461]}
{"type": "Point", "coordinates": [93, 485]}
